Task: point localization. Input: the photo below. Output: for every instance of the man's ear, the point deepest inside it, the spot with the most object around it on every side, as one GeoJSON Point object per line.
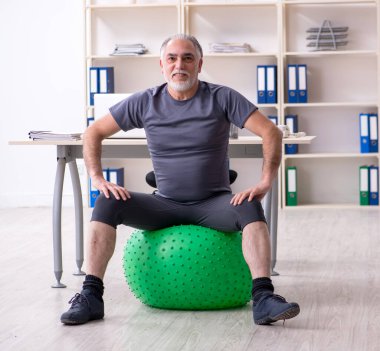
{"type": "Point", "coordinates": [200, 65]}
{"type": "Point", "coordinates": [162, 66]}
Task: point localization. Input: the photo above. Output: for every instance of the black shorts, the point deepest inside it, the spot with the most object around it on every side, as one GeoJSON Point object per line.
{"type": "Point", "coordinates": [151, 212]}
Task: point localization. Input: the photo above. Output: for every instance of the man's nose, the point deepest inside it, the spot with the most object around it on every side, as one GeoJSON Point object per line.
{"type": "Point", "coordinates": [180, 63]}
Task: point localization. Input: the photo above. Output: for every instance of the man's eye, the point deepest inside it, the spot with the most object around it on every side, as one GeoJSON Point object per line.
{"type": "Point", "coordinates": [188, 59]}
{"type": "Point", "coordinates": [171, 59]}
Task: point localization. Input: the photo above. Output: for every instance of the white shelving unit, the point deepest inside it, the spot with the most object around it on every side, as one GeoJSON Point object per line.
{"type": "Point", "coordinates": [341, 83]}
{"type": "Point", "coordinates": [120, 22]}
{"type": "Point", "coordinates": [110, 22]}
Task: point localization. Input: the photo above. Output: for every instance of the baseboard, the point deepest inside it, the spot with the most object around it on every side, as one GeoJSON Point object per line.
{"type": "Point", "coordinates": [37, 200]}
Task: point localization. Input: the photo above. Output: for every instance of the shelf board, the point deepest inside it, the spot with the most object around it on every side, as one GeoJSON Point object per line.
{"type": "Point", "coordinates": [331, 53]}
{"type": "Point", "coordinates": [331, 206]}
{"type": "Point", "coordinates": [276, 106]}
{"type": "Point", "coordinates": [331, 155]}
{"type": "Point", "coordinates": [329, 2]}
{"type": "Point", "coordinates": [248, 54]}
{"type": "Point", "coordinates": [120, 6]}
{"type": "Point", "coordinates": [333, 104]}
{"type": "Point", "coordinates": [122, 57]}
{"type": "Point", "coordinates": [233, 4]}
{"type": "Point", "coordinates": [206, 55]}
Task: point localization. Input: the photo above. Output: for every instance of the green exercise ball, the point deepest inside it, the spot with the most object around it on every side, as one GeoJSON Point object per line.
{"type": "Point", "coordinates": [187, 267]}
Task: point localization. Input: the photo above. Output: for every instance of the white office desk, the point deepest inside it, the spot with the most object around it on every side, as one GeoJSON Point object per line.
{"type": "Point", "coordinates": [69, 151]}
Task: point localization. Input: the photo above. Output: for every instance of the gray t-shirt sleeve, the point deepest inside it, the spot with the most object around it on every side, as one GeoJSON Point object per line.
{"type": "Point", "coordinates": [236, 107]}
{"type": "Point", "coordinates": [129, 112]}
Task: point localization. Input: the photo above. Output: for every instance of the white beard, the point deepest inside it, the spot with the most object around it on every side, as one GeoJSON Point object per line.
{"type": "Point", "coordinates": [181, 86]}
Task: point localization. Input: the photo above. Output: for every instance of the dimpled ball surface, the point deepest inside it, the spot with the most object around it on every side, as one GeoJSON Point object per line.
{"type": "Point", "coordinates": [187, 267]}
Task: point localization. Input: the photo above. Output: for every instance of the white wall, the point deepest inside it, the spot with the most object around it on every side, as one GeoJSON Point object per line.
{"type": "Point", "coordinates": [42, 88]}
{"type": "Point", "coordinates": [42, 77]}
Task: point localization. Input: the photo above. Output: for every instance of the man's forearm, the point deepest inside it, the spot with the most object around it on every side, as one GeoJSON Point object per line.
{"type": "Point", "coordinates": [272, 143]}
{"type": "Point", "coordinates": [92, 149]}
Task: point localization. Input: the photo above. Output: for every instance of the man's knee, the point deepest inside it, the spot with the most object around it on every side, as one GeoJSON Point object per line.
{"type": "Point", "coordinates": [101, 227]}
{"type": "Point", "coordinates": [106, 210]}
{"type": "Point", "coordinates": [256, 227]}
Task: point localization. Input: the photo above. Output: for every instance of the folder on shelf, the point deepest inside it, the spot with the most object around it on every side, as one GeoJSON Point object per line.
{"type": "Point", "coordinates": [90, 120]}
{"type": "Point", "coordinates": [93, 83]}
{"type": "Point", "coordinates": [101, 81]}
{"type": "Point", "coordinates": [261, 85]}
{"type": "Point", "coordinates": [292, 122]}
{"type": "Point", "coordinates": [364, 185]}
{"type": "Point", "coordinates": [106, 80]}
{"type": "Point", "coordinates": [271, 84]}
{"type": "Point", "coordinates": [364, 132]}
{"type": "Point", "coordinates": [113, 175]}
{"type": "Point", "coordinates": [374, 185]}
{"type": "Point", "coordinates": [373, 133]}
{"type": "Point", "coordinates": [94, 193]}
{"type": "Point", "coordinates": [274, 119]}
{"type": "Point", "coordinates": [292, 84]}
{"type": "Point", "coordinates": [116, 176]}
{"type": "Point", "coordinates": [291, 186]}
{"type": "Point", "coordinates": [302, 83]}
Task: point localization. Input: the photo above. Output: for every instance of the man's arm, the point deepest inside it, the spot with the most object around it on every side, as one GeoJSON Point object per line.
{"type": "Point", "coordinates": [92, 149]}
{"type": "Point", "coordinates": [272, 141]}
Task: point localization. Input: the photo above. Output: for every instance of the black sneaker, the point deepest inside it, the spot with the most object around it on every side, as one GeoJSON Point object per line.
{"type": "Point", "coordinates": [272, 308]}
{"type": "Point", "coordinates": [84, 307]}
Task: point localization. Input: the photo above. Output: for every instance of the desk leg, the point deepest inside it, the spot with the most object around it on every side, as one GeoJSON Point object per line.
{"type": "Point", "coordinates": [270, 211]}
{"type": "Point", "coordinates": [273, 225]}
{"type": "Point", "coordinates": [78, 215]}
{"type": "Point", "coordinates": [57, 214]}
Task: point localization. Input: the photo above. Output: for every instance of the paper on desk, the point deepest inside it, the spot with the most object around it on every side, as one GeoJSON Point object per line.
{"type": "Point", "coordinates": [50, 135]}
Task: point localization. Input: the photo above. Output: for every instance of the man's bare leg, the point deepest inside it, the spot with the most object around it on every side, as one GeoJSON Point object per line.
{"type": "Point", "coordinates": [267, 307]}
{"type": "Point", "coordinates": [89, 305]}
{"type": "Point", "coordinates": [100, 248]}
{"type": "Point", "coordinates": [256, 249]}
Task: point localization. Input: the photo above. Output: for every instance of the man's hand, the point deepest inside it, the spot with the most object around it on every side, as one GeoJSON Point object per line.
{"type": "Point", "coordinates": [257, 192]}
{"type": "Point", "coordinates": [106, 187]}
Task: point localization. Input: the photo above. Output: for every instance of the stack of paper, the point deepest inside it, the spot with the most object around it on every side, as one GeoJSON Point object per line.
{"type": "Point", "coordinates": [49, 135]}
{"type": "Point", "coordinates": [129, 49]}
{"type": "Point", "coordinates": [230, 47]}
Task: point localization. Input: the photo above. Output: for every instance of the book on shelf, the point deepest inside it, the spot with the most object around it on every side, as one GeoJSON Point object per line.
{"type": "Point", "coordinates": [369, 185]}
{"type": "Point", "coordinates": [368, 129]}
{"type": "Point", "coordinates": [266, 84]}
{"type": "Point", "coordinates": [297, 83]}
{"type": "Point", "coordinates": [291, 186]}
{"type": "Point", "coordinates": [50, 135]}
{"type": "Point", "coordinates": [113, 175]}
{"type": "Point", "coordinates": [101, 81]}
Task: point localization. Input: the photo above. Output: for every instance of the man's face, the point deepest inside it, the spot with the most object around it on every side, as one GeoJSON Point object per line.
{"type": "Point", "coordinates": [180, 65]}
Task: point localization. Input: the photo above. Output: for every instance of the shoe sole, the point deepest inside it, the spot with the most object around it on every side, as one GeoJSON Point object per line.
{"type": "Point", "coordinates": [71, 322]}
{"type": "Point", "coordinates": [75, 322]}
{"type": "Point", "coordinates": [289, 313]}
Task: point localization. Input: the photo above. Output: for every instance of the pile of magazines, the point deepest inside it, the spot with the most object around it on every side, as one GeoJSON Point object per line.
{"type": "Point", "coordinates": [129, 49]}
{"type": "Point", "coordinates": [230, 47]}
{"type": "Point", "coordinates": [49, 135]}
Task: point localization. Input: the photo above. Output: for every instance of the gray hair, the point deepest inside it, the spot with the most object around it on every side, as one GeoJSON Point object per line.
{"type": "Point", "coordinates": [197, 46]}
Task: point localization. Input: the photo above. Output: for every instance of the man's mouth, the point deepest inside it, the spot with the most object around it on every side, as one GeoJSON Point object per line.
{"type": "Point", "coordinates": [180, 74]}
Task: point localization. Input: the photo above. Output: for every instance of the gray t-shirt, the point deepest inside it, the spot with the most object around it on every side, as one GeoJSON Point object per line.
{"type": "Point", "coordinates": [188, 139]}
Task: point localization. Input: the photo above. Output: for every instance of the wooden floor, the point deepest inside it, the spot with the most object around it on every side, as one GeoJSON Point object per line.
{"type": "Point", "coordinates": [328, 261]}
